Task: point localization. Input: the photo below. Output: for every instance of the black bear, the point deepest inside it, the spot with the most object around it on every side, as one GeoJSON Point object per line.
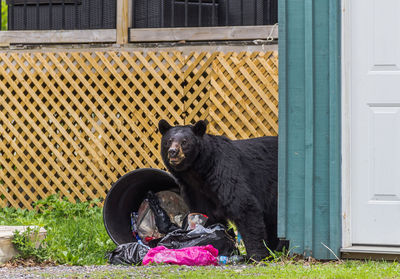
{"type": "Point", "coordinates": [227, 180]}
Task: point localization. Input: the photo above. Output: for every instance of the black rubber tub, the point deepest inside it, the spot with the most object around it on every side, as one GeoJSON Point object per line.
{"type": "Point", "coordinates": [126, 195]}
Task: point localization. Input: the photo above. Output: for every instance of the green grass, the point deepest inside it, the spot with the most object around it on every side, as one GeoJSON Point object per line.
{"type": "Point", "coordinates": [347, 269]}
{"type": "Point", "coordinates": [76, 236]}
{"type": "Point", "coordinates": [75, 232]}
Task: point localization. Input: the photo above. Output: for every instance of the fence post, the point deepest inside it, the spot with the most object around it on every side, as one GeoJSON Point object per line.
{"type": "Point", "coordinates": [122, 21]}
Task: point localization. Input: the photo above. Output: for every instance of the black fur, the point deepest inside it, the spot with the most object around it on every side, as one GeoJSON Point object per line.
{"type": "Point", "coordinates": [227, 179]}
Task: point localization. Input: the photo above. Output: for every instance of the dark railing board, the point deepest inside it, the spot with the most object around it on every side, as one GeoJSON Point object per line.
{"type": "Point", "coordinates": [203, 13]}
{"type": "Point", "coordinates": [41, 2]}
{"type": "Point", "coordinates": [101, 14]}
{"type": "Point", "coordinates": [61, 14]}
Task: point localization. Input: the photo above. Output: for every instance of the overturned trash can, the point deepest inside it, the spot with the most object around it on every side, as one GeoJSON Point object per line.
{"type": "Point", "coordinates": [127, 195]}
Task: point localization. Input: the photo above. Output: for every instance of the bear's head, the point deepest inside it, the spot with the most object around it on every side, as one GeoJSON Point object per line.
{"type": "Point", "coordinates": [180, 144]}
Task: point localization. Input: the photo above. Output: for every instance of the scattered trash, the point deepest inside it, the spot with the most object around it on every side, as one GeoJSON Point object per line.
{"type": "Point", "coordinates": [162, 235]}
{"type": "Point", "coordinates": [146, 224]}
{"type": "Point", "coordinates": [128, 253]}
{"type": "Point", "coordinates": [153, 219]}
{"type": "Point", "coordinates": [134, 218]}
{"type": "Point", "coordinates": [162, 220]}
{"type": "Point", "coordinates": [194, 219]}
{"type": "Point", "coordinates": [174, 205]}
{"type": "Point", "coordinates": [199, 256]}
{"type": "Point", "coordinates": [215, 235]}
{"type": "Point", "coordinates": [235, 259]}
{"type": "Point", "coordinates": [239, 238]}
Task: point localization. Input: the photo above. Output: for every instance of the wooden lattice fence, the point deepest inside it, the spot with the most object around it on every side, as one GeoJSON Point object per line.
{"type": "Point", "coordinates": [73, 122]}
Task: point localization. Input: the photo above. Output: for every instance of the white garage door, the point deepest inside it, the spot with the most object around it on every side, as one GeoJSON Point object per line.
{"type": "Point", "coordinates": [374, 88]}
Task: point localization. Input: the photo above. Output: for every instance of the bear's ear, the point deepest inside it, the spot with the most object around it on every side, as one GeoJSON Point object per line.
{"type": "Point", "coordinates": [200, 128]}
{"type": "Point", "coordinates": [163, 126]}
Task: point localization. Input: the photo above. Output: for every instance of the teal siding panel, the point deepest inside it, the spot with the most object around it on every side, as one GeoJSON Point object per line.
{"type": "Point", "coordinates": [309, 117]}
{"type": "Point", "coordinates": [335, 219]}
{"type": "Point", "coordinates": [296, 125]}
{"type": "Point", "coordinates": [321, 170]}
{"type": "Point", "coordinates": [309, 126]}
{"type": "Point", "coordinates": [283, 123]}
{"type": "Point", "coordinates": [296, 120]}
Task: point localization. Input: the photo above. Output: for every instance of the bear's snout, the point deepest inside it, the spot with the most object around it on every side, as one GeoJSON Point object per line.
{"type": "Point", "coordinates": [173, 152]}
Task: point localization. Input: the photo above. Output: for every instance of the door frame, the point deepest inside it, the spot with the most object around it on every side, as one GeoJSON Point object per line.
{"type": "Point", "coordinates": [346, 123]}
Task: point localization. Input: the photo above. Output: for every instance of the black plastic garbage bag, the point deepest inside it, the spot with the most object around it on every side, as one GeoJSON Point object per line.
{"type": "Point", "coordinates": [162, 219]}
{"type": "Point", "coordinates": [215, 235]}
{"type": "Point", "coordinates": [128, 254]}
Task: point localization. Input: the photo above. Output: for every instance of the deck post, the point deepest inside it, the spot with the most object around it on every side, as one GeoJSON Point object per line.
{"type": "Point", "coordinates": [122, 22]}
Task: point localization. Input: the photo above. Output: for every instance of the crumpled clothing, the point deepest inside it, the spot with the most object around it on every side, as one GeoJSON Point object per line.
{"type": "Point", "coordinates": [191, 256]}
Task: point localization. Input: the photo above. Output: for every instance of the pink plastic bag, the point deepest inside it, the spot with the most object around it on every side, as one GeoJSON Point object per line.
{"type": "Point", "coordinates": [197, 255]}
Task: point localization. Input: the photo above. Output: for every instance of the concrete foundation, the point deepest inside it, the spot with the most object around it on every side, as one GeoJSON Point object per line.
{"type": "Point", "coordinates": [7, 249]}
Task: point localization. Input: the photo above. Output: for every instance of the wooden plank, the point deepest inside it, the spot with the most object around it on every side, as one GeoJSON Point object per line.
{"type": "Point", "coordinates": [58, 36]}
{"type": "Point", "coordinates": [122, 21]}
{"type": "Point", "coordinates": [204, 33]}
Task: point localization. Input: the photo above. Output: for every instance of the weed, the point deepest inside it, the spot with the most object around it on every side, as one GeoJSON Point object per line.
{"type": "Point", "coordinates": [75, 231]}
{"type": "Point", "coordinates": [239, 241]}
{"type": "Point", "coordinates": [283, 256]}
{"type": "Point", "coordinates": [30, 245]}
{"type": "Point", "coordinates": [4, 14]}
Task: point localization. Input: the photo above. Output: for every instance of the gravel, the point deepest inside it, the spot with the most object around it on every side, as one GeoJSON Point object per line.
{"type": "Point", "coordinates": [105, 271]}
{"type": "Point", "coordinates": [64, 271]}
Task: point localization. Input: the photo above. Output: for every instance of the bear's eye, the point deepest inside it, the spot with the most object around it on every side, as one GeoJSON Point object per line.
{"type": "Point", "coordinates": [168, 142]}
{"type": "Point", "coordinates": [183, 142]}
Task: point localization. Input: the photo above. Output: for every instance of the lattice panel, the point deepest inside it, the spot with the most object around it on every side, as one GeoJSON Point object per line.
{"type": "Point", "coordinates": [73, 122]}
{"type": "Point", "coordinates": [197, 76]}
{"type": "Point", "coordinates": [244, 95]}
